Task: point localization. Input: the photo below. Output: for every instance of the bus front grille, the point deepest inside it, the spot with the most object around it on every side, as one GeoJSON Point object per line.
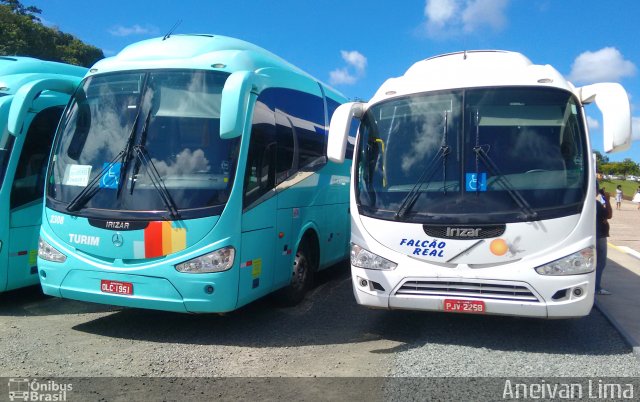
{"type": "Point", "coordinates": [474, 290]}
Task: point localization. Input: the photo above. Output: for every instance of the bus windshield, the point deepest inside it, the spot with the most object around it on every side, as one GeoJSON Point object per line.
{"type": "Point", "coordinates": [144, 143]}
{"type": "Point", "coordinates": [486, 155]}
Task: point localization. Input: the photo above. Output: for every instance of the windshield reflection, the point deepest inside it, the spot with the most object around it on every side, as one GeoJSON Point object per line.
{"type": "Point", "coordinates": [172, 116]}
{"type": "Point", "coordinates": [532, 136]}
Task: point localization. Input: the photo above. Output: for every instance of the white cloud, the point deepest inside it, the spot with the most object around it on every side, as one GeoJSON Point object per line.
{"type": "Point", "coordinates": [439, 12]}
{"type": "Point", "coordinates": [352, 72]}
{"type": "Point", "coordinates": [341, 76]}
{"type": "Point", "coordinates": [606, 64]}
{"type": "Point", "coordinates": [135, 29]}
{"type": "Point", "coordinates": [593, 124]}
{"type": "Point", "coordinates": [480, 13]}
{"type": "Point", "coordinates": [355, 59]}
{"type": "Point", "coordinates": [455, 17]}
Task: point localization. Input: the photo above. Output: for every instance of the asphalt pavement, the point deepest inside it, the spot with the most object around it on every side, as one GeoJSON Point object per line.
{"type": "Point", "coordinates": [622, 275]}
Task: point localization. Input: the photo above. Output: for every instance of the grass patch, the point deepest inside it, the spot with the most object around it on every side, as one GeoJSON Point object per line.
{"type": "Point", "coordinates": [629, 188]}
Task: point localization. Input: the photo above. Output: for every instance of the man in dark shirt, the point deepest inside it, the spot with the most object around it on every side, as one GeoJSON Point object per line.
{"type": "Point", "coordinates": [603, 214]}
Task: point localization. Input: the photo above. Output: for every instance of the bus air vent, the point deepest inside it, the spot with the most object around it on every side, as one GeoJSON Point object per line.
{"type": "Point", "coordinates": [479, 290]}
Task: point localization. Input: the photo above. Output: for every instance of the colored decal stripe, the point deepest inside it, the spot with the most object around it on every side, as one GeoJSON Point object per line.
{"type": "Point", "coordinates": [138, 249]}
{"type": "Point", "coordinates": [153, 240]}
{"type": "Point", "coordinates": [178, 240]}
{"type": "Point", "coordinates": [161, 238]}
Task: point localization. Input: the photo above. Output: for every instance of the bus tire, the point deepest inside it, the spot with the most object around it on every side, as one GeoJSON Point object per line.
{"type": "Point", "coordinates": [301, 277]}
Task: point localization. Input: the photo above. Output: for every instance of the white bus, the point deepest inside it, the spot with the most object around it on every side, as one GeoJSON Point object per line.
{"type": "Point", "coordinates": [473, 187]}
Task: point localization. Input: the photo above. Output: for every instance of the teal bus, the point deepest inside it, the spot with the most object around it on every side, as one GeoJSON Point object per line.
{"type": "Point", "coordinates": [39, 91]}
{"type": "Point", "coordinates": [189, 174]}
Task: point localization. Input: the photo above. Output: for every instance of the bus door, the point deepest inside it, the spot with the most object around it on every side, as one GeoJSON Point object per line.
{"type": "Point", "coordinates": [25, 201]}
{"type": "Point", "coordinates": [6, 145]}
{"type": "Point", "coordinates": [257, 249]}
{"type": "Point", "coordinates": [31, 122]}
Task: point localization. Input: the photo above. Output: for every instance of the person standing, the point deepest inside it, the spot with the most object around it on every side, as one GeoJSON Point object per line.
{"type": "Point", "coordinates": [618, 196]}
{"type": "Point", "coordinates": [636, 198]}
{"type": "Point", "coordinates": [603, 214]}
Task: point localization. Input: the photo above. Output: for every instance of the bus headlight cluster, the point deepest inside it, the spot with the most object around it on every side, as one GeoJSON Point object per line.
{"type": "Point", "coordinates": [581, 262]}
{"type": "Point", "coordinates": [364, 258]}
{"type": "Point", "coordinates": [47, 252]}
{"type": "Point", "coordinates": [216, 261]}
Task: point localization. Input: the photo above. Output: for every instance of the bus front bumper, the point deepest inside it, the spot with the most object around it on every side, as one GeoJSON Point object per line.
{"type": "Point", "coordinates": [542, 297]}
{"type": "Point", "coordinates": [188, 294]}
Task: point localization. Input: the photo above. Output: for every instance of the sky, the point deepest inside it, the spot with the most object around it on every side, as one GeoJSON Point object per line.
{"type": "Point", "coordinates": [356, 45]}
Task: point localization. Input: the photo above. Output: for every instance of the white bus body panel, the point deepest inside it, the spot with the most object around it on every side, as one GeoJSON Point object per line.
{"type": "Point", "coordinates": [517, 269]}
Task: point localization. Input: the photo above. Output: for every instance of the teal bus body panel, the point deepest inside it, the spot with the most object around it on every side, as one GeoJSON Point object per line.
{"type": "Point", "coordinates": [173, 288]}
{"type": "Point", "coordinates": [264, 236]}
{"type": "Point", "coordinates": [20, 224]}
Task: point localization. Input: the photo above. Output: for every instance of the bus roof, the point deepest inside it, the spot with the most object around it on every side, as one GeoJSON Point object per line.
{"type": "Point", "coordinates": [469, 69]}
{"type": "Point", "coordinates": [15, 71]}
{"type": "Point", "coordinates": [198, 51]}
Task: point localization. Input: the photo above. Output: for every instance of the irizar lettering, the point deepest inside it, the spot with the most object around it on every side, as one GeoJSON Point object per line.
{"type": "Point", "coordinates": [84, 239]}
{"type": "Point", "coordinates": [426, 248]}
{"type": "Point", "coordinates": [117, 225]}
{"type": "Point", "coordinates": [462, 232]}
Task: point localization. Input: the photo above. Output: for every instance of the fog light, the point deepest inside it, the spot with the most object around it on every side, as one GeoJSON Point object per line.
{"type": "Point", "coordinates": [208, 289]}
{"type": "Point", "coordinates": [43, 274]}
{"type": "Point", "coordinates": [577, 292]}
{"type": "Point", "coordinates": [363, 282]}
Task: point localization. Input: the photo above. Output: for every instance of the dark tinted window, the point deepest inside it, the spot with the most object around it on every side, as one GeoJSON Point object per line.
{"type": "Point", "coordinates": [305, 115]}
{"type": "Point", "coordinates": [28, 182]}
{"type": "Point", "coordinates": [261, 161]}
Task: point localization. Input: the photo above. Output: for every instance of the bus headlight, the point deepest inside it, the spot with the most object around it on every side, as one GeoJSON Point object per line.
{"type": "Point", "coordinates": [47, 252]}
{"type": "Point", "coordinates": [581, 262]}
{"type": "Point", "coordinates": [364, 258]}
{"type": "Point", "coordinates": [216, 261]}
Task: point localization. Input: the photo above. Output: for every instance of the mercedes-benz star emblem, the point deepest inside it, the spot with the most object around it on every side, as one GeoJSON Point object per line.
{"type": "Point", "coordinates": [117, 239]}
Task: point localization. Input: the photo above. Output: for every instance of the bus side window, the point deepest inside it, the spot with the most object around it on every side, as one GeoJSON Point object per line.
{"type": "Point", "coordinates": [28, 182]}
{"type": "Point", "coordinates": [287, 149]}
{"type": "Point", "coordinates": [261, 160]}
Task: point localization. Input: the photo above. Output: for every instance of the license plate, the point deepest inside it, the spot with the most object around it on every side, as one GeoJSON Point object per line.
{"type": "Point", "coordinates": [120, 288]}
{"type": "Point", "coordinates": [464, 306]}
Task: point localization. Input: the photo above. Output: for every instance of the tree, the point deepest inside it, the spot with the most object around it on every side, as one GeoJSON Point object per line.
{"type": "Point", "coordinates": [601, 159]}
{"type": "Point", "coordinates": [628, 166]}
{"type": "Point", "coordinates": [23, 34]}
{"type": "Point", "coordinates": [17, 8]}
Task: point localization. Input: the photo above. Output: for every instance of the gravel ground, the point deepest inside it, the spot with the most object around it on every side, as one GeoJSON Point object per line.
{"type": "Point", "coordinates": [466, 345]}
{"type": "Point", "coordinates": [327, 336]}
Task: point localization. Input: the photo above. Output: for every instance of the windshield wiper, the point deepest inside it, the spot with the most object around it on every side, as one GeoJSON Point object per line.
{"type": "Point", "coordinates": [522, 203]}
{"type": "Point", "coordinates": [413, 195]}
{"type": "Point", "coordinates": [481, 154]}
{"type": "Point", "coordinates": [442, 153]}
{"type": "Point", "coordinates": [156, 180]}
{"type": "Point", "coordinates": [91, 188]}
{"type": "Point", "coordinates": [143, 141]}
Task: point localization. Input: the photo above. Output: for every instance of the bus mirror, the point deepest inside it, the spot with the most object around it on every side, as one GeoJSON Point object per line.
{"type": "Point", "coordinates": [24, 97]}
{"type": "Point", "coordinates": [613, 102]}
{"type": "Point", "coordinates": [234, 103]}
{"type": "Point", "coordinates": [339, 129]}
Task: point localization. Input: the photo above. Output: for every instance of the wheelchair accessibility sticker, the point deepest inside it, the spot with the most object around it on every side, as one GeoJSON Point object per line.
{"type": "Point", "coordinates": [111, 178]}
{"type": "Point", "coordinates": [476, 182]}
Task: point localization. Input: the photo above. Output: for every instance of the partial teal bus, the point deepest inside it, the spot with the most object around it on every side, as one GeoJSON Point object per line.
{"type": "Point", "coordinates": [36, 91]}
{"type": "Point", "coordinates": [189, 174]}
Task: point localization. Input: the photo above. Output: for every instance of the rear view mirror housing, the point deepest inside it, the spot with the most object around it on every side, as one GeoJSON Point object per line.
{"type": "Point", "coordinates": [613, 102]}
{"type": "Point", "coordinates": [24, 97]}
{"type": "Point", "coordinates": [234, 103]}
{"type": "Point", "coordinates": [339, 129]}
